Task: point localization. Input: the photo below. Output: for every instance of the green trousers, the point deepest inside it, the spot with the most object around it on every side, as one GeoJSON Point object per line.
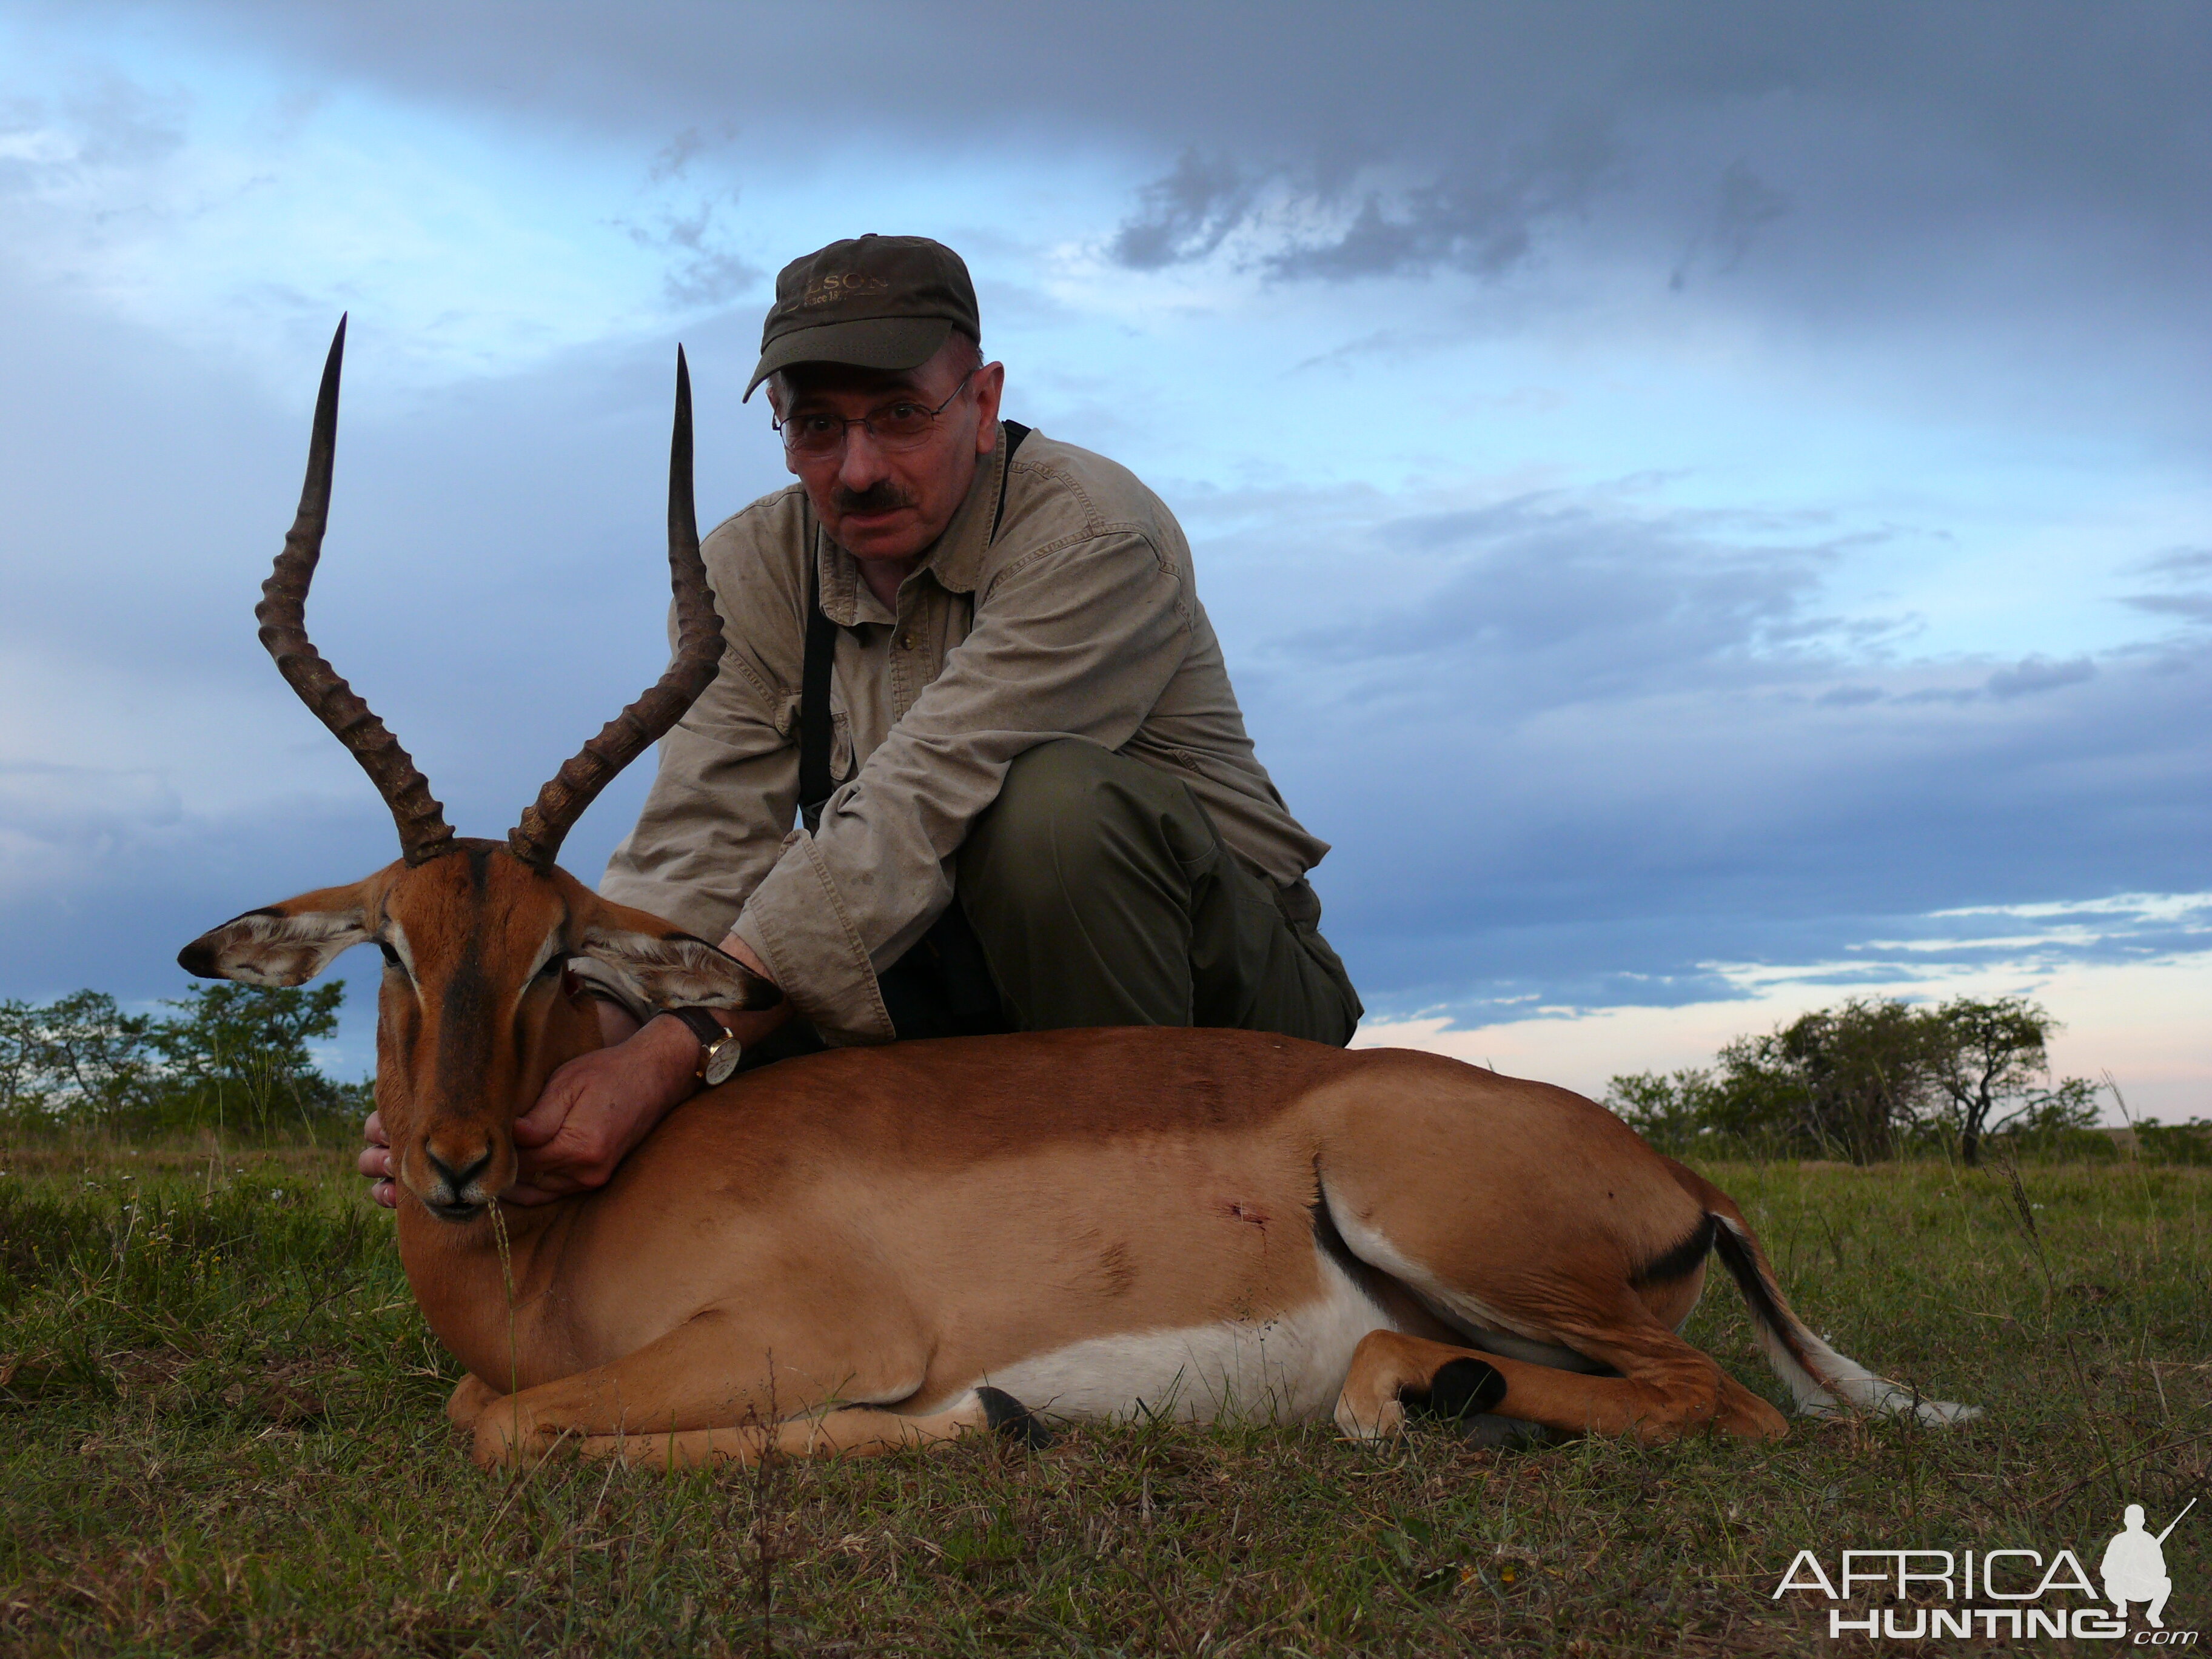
{"type": "Point", "coordinates": [1096, 891]}
{"type": "Point", "coordinates": [1100, 894]}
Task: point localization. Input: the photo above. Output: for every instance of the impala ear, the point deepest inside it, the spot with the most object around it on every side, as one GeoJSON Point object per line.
{"type": "Point", "coordinates": [285, 944]}
{"type": "Point", "coordinates": [661, 966]}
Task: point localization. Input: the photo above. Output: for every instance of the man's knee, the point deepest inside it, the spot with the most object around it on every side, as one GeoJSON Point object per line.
{"type": "Point", "coordinates": [1071, 813]}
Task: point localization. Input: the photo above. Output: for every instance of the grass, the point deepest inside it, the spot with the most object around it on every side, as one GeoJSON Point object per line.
{"type": "Point", "coordinates": [220, 1432]}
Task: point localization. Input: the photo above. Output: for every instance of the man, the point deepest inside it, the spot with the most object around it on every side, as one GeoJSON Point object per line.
{"type": "Point", "coordinates": [974, 660]}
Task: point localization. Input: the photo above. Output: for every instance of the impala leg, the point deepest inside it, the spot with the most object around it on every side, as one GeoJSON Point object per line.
{"type": "Point", "coordinates": [468, 1401]}
{"type": "Point", "coordinates": [854, 1431]}
{"type": "Point", "coordinates": [1660, 1395]}
{"type": "Point", "coordinates": [713, 1373]}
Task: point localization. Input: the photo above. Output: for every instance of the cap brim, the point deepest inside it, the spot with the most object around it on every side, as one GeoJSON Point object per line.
{"type": "Point", "coordinates": [885, 342]}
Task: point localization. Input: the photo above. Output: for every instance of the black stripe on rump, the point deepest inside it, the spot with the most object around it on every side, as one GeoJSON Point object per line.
{"type": "Point", "coordinates": [1331, 1241]}
{"type": "Point", "coordinates": [1680, 1262]}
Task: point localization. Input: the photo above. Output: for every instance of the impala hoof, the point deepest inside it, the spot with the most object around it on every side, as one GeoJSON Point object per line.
{"type": "Point", "coordinates": [1011, 1420]}
{"type": "Point", "coordinates": [1458, 1389]}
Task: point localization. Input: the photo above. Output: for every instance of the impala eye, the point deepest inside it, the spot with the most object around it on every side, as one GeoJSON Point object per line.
{"type": "Point", "coordinates": [392, 956]}
{"type": "Point", "coordinates": [554, 964]}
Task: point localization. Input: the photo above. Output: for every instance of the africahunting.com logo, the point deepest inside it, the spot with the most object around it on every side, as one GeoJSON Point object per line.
{"type": "Point", "coordinates": [2002, 1595]}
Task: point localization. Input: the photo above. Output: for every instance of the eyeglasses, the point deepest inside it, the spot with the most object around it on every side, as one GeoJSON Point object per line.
{"type": "Point", "coordinates": [817, 434]}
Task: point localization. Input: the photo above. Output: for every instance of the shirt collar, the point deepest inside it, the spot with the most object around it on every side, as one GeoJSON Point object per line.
{"type": "Point", "coordinates": [955, 559]}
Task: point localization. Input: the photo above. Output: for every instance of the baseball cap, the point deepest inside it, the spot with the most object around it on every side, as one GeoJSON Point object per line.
{"type": "Point", "coordinates": [887, 302]}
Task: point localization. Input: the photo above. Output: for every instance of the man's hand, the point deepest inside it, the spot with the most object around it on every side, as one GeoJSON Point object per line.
{"type": "Point", "coordinates": [598, 1106]}
{"type": "Point", "coordinates": [375, 1162]}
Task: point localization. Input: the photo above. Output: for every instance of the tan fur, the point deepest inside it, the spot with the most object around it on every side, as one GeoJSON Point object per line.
{"type": "Point", "coordinates": [834, 1253]}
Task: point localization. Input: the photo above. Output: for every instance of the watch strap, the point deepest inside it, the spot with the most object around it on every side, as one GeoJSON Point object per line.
{"type": "Point", "coordinates": [702, 1025]}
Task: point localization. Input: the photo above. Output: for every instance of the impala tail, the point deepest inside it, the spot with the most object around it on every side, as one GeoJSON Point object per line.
{"type": "Point", "coordinates": [1824, 1382]}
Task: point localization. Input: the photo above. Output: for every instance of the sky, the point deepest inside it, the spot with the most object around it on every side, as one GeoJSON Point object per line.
{"type": "Point", "coordinates": [1709, 509]}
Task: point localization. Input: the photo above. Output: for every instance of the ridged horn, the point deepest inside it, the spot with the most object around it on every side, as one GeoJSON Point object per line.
{"type": "Point", "coordinates": [283, 615]}
{"type": "Point", "coordinates": [546, 822]}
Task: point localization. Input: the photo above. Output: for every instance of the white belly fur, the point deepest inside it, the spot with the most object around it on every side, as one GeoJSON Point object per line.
{"type": "Point", "coordinates": [1286, 1368]}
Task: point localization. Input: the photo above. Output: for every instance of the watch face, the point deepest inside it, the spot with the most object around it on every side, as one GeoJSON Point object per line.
{"type": "Point", "coordinates": [722, 1061]}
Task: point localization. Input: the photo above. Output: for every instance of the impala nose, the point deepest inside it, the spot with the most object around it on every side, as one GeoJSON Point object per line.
{"type": "Point", "coordinates": [455, 1181]}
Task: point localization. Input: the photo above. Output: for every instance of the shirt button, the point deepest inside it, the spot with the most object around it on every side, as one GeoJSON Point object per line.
{"type": "Point", "coordinates": [906, 641]}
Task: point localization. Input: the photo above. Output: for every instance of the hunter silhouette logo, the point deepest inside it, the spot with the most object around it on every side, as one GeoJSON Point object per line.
{"type": "Point", "coordinates": [2134, 1567]}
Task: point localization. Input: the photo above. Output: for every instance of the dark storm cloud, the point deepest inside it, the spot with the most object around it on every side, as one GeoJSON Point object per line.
{"type": "Point", "coordinates": [1482, 221]}
{"type": "Point", "coordinates": [1184, 214]}
{"type": "Point", "coordinates": [2079, 98]}
{"type": "Point", "coordinates": [1914, 155]}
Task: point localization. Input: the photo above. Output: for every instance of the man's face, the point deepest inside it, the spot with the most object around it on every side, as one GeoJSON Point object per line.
{"type": "Point", "coordinates": [880, 505]}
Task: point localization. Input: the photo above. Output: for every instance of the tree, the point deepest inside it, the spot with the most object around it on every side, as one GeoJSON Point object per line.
{"type": "Point", "coordinates": [20, 1048]}
{"type": "Point", "coordinates": [1669, 1112]}
{"type": "Point", "coordinates": [1860, 1080]}
{"type": "Point", "coordinates": [1845, 1082]}
{"type": "Point", "coordinates": [235, 1059]}
{"type": "Point", "coordinates": [1990, 1060]}
{"type": "Point", "coordinates": [98, 1063]}
{"type": "Point", "coordinates": [238, 1057]}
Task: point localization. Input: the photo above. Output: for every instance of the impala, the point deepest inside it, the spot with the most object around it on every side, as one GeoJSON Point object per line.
{"type": "Point", "coordinates": [875, 1247]}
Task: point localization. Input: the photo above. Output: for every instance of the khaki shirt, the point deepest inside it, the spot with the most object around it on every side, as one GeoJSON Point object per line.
{"type": "Point", "coordinates": [1080, 618]}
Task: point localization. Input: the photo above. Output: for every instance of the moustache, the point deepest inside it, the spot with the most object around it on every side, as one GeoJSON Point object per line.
{"type": "Point", "coordinates": [882, 496]}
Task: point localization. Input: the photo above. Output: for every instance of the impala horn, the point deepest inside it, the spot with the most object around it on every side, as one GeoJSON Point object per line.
{"type": "Point", "coordinates": [423, 833]}
{"type": "Point", "coordinates": [546, 822]}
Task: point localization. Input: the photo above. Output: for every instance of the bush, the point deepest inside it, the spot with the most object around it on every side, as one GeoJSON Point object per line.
{"type": "Point", "coordinates": [2176, 1143]}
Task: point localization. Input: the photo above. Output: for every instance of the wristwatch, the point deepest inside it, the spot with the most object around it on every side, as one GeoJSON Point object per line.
{"type": "Point", "coordinates": [720, 1051]}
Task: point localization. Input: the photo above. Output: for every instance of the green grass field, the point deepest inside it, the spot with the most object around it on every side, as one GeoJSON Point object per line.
{"type": "Point", "coordinates": [220, 1432]}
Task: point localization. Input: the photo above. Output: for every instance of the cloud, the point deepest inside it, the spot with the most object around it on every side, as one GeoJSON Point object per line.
{"type": "Point", "coordinates": [675, 157]}
{"type": "Point", "coordinates": [1592, 752]}
{"type": "Point", "coordinates": [704, 274]}
{"type": "Point", "coordinates": [2013, 212]}
{"type": "Point", "coordinates": [1548, 600]}
{"type": "Point", "coordinates": [2182, 568]}
{"type": "Point", "coordinates": [2035, 674]}
{"type": "Point", "coordinates": [1184, 214]}
{"type": "Point", "coordinates": [1746, 204]}
{"type": "Point", "coordinates": [106, 121]}
{"type": "Point", "coordinates": [1483, 221]}
{"type": "Point", "coordinates": [704, 270]}
{"type": "Point", "coordinates": [2191, 607]}
{"type": "Point", "coordinates": [2182, 563]}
